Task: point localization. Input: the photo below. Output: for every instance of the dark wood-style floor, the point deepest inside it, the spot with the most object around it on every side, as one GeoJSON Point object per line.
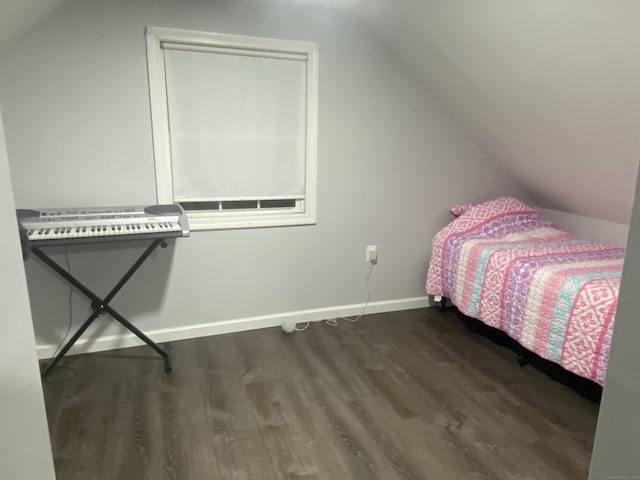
{"type": "Point", "coordinates": [406, 395]}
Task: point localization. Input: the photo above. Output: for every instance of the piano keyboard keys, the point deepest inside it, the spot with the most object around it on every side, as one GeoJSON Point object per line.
{"type": "Point", "coordinates": [102, 231]}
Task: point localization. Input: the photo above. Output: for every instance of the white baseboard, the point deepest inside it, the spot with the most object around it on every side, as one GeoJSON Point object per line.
{"type": "Point", "coordinates": [113, 342]}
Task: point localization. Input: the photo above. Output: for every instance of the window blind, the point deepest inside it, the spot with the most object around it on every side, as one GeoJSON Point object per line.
{"type": "Point", "coordinates": [237, 123]}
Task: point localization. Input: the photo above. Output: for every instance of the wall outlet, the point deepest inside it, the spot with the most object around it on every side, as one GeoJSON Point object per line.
{"type": "Point", "coordinates": [371, 254]}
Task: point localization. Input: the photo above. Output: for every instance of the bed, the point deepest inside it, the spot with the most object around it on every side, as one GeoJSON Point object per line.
{"type": "Point", "coordinates": [503, 263]}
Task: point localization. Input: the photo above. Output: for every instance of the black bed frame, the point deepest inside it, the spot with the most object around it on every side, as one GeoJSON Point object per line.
{"type": "Point", "coordinates": [585, 387]}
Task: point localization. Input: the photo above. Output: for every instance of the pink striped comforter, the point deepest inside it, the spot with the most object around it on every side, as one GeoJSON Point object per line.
{"type": "Point", "coordinates": [506, 265]}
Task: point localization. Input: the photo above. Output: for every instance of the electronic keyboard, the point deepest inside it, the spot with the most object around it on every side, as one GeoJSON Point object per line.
{"type": "Point", "coordinates": [65, 226]}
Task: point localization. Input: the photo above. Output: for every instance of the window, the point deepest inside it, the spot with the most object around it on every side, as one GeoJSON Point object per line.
{"type": "Point", "coordinates": [234, 122]}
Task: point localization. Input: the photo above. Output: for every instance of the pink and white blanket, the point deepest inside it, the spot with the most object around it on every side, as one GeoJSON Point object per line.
{"type": "Point", "coordinates": [505, 264]}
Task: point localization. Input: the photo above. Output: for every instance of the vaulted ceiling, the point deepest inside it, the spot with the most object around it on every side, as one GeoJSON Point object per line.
{"type": "Point", "coordinates": [18, 15]}
{"type": "Point", "coordinates": [549, 89]}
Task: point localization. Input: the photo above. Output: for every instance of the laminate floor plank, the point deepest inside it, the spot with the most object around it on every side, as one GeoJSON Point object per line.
{"type": "Point", "coordinates": [396, 396]}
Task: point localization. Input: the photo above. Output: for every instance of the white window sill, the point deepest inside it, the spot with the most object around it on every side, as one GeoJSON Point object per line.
{"type": "Point", "coordinates": [199, 221]}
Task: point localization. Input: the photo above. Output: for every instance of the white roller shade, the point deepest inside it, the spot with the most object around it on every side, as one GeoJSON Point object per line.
{"type": "Point", "coordinates": [237, 123]}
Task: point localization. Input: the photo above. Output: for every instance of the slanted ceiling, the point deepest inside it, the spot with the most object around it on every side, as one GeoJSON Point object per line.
{"type": "Point", "coordinates": [549, 89]}
{"type": "Point", "coordinates": [17, 15]}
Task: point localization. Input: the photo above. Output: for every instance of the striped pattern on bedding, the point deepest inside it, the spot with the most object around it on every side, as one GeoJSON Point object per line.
{"type": "Point", "coordinates": [504, 264]}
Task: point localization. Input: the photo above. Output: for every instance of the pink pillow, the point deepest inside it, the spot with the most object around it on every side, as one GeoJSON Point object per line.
{"type": "Point", "coordinates": [496, 205]}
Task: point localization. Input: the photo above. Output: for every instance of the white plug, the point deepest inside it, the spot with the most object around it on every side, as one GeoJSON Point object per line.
{"type": "Point", "coordinates": [371, 254]}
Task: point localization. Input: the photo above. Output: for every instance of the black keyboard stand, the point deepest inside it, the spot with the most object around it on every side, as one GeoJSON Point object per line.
{"type": "Point", "coordinates": [101, 306]}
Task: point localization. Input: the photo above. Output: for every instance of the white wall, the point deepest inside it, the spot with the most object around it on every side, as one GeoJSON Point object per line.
{"type": "Point", "coordinates": [593, 229]}
{"type": "Point", "coordinates": [617, 442]}
{"type": "Point", "coordinates": [25, 451]}
{"type": "Point", "coordinates": [391, 164]}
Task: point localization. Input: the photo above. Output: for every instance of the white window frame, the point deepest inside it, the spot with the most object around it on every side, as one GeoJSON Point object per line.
{"type": "Point", "coordinates": [304, 212]}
